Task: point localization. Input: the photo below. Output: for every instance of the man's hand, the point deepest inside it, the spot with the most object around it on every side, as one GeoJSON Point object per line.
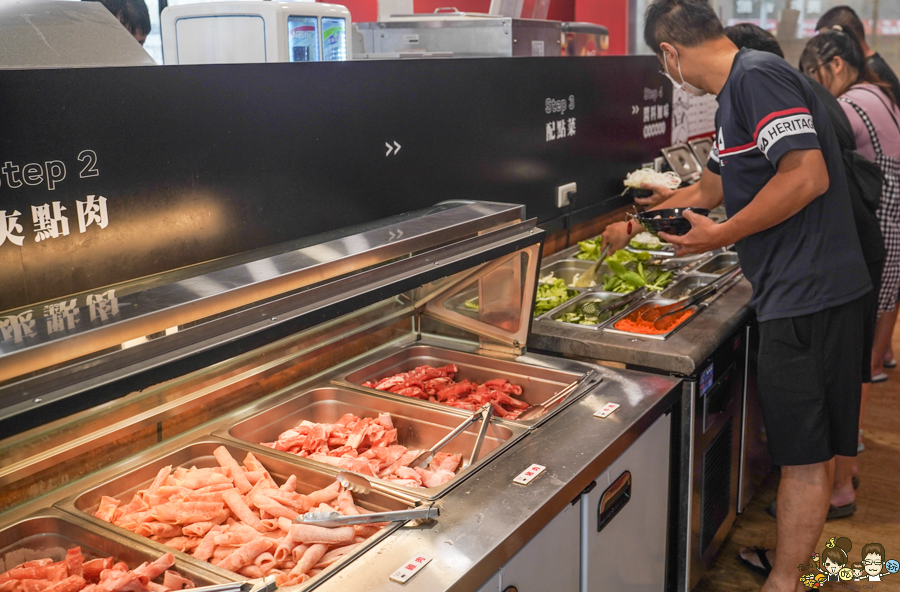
{"type": "Point", "coordinates": [660, 194]}
{"type": "Point", "coordinates": [705, 235]}
{"type": "Point", "coordinates": [617, 236]}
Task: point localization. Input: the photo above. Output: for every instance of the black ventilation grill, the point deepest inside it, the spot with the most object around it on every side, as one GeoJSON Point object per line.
{"type": "Point", "coordinates": [716, 493]}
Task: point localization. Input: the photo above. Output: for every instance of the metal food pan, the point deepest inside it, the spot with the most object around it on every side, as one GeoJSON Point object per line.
{"type": "Point", "coordinates": [50, 533]}
{"type": "Point", "coordinates": [610, 327]}
{"type": "Point", "coordinates": [417, 428]}
{"type": "Point", "coordinates": [677, 291]}
{"type": "Point", "coordinates": [123, 485]}
{"type": "Point", "coordinates": [567, 269]}
{"type": "Point", "coordinates": [607, 300]}
{"type": "Point", "coordinates": [538, 383]}
{"type": "Point", "coordinates": [720, 264]}
{"type": "Point", "coordinates": [457, 302]}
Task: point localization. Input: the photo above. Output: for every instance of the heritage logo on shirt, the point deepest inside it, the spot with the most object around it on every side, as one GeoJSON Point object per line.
{"type": "Point", "coordinates": [781, 125]}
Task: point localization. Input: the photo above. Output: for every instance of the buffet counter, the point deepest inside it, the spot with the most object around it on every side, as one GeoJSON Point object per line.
{"type": "Point", "coordinates": [681, 353]}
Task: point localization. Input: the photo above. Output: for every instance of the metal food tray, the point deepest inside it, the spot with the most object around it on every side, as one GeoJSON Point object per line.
{"type": "Point", "coordinates": [538, 383]}
{"type": "Point", "coordinates": [49, 533]}
{"type": "Point", "coordinates": [607, 299]}
{"type": "Point", "coordinates": [417, 428]}
{"type": "Point", "coordinates": [123, 485]}
{"type": "Point", "coordinates": [692, 282]}
{"type": "Point", "coordinates": [720, 264]}
{"type": "Point", "coordinates": [568, 268]}
{"type": "Point", "coordinates": [610, 327]}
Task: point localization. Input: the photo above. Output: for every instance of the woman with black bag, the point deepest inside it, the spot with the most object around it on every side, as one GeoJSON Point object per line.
{"type": "Point", "coordinates": [836, 60]}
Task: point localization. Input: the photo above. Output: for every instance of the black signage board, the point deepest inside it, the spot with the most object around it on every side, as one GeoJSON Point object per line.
{"type": "Point", "coordinates": [112, 174]}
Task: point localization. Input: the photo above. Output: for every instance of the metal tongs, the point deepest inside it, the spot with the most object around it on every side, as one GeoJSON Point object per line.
{"type": "Point", "coordinates": [335, 519]}
{"type": "Point", "coordinates": [570, 391]}
{"type": "Point", "coordinates": [590, 274]}
{"type": "Point", "coordinates": [483, 414]}
{"type": "Point", "coordinates": [266, 584]}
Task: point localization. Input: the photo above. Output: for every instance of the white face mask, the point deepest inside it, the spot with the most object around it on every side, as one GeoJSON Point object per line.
{"type": "Point", "coordinates": [685, 86]}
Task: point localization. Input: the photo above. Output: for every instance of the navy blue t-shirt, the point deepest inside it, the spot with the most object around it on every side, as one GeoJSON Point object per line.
{"type": "Point", "coordinates": [812, 261]}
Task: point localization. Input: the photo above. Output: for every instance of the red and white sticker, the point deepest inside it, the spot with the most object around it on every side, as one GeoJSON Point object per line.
{"type": "Point", "coordinates": [529, 474]}
{"type": "Point", "coordinates": [410, 568]}
{"type": "Point", "coordinates": [606, 410]}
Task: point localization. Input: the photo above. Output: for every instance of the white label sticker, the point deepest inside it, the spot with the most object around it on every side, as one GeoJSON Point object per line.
{"type": "Point", "coordinates": [410, 568]}
{"type": "Point", "coordinates": [411, 39]}
{"type": "Point", "coordinates": [529, 474]}
{"type": "Point", "coordinates": [606, 410]}
{"type": "Point", "coordinates": [537, 48]}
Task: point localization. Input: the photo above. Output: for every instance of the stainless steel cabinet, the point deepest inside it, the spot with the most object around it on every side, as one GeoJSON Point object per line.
{"type": "Point", "coordinates": [550, 561]}
{"type": "Point", "coordinates": [625, 518]}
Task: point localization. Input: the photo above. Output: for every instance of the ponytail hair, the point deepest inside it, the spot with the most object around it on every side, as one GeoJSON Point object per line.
{"type": "Point", "coordinates": [828, 45]}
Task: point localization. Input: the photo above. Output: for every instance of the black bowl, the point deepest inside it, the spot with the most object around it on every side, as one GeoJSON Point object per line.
{"type": "Point", "coordinates": [633, 192]}
{"type": "Point", "coordinates": [670, 221]}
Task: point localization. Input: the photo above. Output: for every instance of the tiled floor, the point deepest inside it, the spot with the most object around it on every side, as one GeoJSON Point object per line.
{"type": "Point", "coordinates": [878, 501]}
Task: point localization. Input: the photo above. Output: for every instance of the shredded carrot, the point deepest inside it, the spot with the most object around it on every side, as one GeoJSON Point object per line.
{"type": "Point", "coordinates": [636, 323]}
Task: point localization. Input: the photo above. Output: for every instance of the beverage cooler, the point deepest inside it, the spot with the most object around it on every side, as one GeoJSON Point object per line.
{"type": "Point", "coordinates": [255, 32]}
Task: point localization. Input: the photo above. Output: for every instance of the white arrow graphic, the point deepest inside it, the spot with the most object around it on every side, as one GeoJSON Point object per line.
{"type": "Point", "coordinates": [635, 109]}
{"type": "Point", "coordinates": [391, 149]}
{"type": "Point", "coordinates": [394, 236]}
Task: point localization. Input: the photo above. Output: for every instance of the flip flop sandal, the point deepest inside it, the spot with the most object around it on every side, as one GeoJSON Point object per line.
{"type": "Point", "coordinates": [891, 364]}
{"type": "Point", "coordinates": [764, 569]}
{"type": "Point", "coordinates": [834, 512]}
{"type": "Point", "coordinates": [880, 377]}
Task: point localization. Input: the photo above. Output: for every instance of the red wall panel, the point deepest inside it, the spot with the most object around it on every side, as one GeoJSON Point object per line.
{"type": "Point", "coordinates": [367, 10]}
{"type": "Point", "coordinates": [613, 14]}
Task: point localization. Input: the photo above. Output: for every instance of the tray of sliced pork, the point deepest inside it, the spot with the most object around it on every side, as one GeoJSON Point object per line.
{"type": "Point", "coordinates": [228, 510]}
{"type": "Point", "coordinates": [440, 378]}
{"type": "Point", "coordinates": [374, 436]}
{"type": "Point", "coordinates": [51, 549]}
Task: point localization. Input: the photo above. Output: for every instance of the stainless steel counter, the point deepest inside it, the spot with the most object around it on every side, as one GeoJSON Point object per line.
{"type": "Point", "coordinates": [488, 519]}
{"type": "Point", "coordinates": [679, 354]}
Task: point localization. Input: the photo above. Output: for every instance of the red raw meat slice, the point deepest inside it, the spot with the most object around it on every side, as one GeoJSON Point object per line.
{"type": "Point", "coordinates": [392, 381]}
{"type": "Point", "coordinates": [501, 384]}
{"type": "Point", "coordinates": [505, 399]}
{"type": "Point", "coordinates": [347, 418]}
{"type": "Point", "coordinates": [449, 370]}
{"type": "Point", "coordinates": [408, 473]}
{"type": "Point", "coordinates": [435, 384]}
{"type": "Point", "coordinates": [462, 405]}
{"type": "Point", "coordinates": [415, 392]}
{"type": "Point", "coordinates": [456, 391]}
{"type": "Point", "coordinates": [91, 569]}
{"type": "Point", "coordinates": [444, 461]}
{"type": "Point", "coordinates": [74, 561]}
{"type": "Point", "coordinates": [358, 433]}
{"type": "Point", "coordinates": [499, 410]}
{"type": "Point", "coordinates": [384, 419]}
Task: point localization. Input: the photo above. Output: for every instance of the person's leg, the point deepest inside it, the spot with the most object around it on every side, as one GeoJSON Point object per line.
{"type": "Point", "coordinates": [843, 493]}
{"type": "Point", "coordinates": [803, 497]}
{"type": "Point", "coordinates": [884, 329]}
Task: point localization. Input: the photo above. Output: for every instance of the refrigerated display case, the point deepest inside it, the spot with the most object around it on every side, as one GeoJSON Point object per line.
{"type": "Point", "coordinates": [312, 326]}
{"type": "Point", "coordinates": [255, 32]}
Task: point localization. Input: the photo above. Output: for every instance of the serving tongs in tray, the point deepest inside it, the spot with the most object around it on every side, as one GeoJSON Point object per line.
{"type": "Point", "coordinates": [266, 584]}
{"type": "Point", "coordinates": [335, 519]}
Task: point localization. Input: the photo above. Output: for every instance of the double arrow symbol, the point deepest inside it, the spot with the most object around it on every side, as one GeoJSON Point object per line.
{"type": "Point", "coordinates": [391, 149]}
{"type": "Point", "coordinates": [635, 109]}
{"type": "Point", "coordinates": [395, 235]}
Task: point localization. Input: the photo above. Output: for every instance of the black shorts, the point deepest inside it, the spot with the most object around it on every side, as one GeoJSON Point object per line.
{"type": "Point", "coordinates": [871, 315]}
{"type": "Point", "coordinates": [809, 383]}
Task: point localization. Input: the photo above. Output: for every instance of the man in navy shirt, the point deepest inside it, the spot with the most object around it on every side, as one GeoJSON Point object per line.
{"type": "Point", "coordinates": [777, 166]}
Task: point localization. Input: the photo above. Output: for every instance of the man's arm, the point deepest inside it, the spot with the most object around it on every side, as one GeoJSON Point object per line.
{"type": "Point", "coordinates": [802, 177]}
{"type": "Point", "coordinates": [706, 193]}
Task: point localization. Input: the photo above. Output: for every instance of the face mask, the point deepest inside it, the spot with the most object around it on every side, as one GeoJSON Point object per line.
{"type": "Point", "coordinates": [685, 86]}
